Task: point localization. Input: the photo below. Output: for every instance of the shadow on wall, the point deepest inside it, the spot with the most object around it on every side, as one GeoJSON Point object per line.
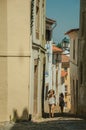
{"type": "Point", "coordinates": [24, 117]}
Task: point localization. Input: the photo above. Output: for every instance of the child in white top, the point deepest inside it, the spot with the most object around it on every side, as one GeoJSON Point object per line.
{"type": "Point", "coordinates": [52, 102]}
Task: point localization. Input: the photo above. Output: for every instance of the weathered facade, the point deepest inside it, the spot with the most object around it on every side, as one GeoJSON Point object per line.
{"type": "Point", "coordinates": [56, 59]}
{"type": "Point", "coordinates": [56, 64]}
{"type": "Point", "coordinates": [74, 50]}
{"type": "Point", "coordinates": [22, 58]}
{"type": "Point", "coordinates": [50, 24]}
{"type": "Point", "coordinates": [82, 60]}
{"type": "Point", "coordinates": [65, 81]}
{"type": "Point", "coordinates": [37, 58]}
{"type": "Point", "coordinates": [14, 59]}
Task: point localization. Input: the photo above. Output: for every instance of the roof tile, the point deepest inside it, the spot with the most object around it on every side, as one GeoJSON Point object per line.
{"type": "Point", "coordinates": [56, 49]}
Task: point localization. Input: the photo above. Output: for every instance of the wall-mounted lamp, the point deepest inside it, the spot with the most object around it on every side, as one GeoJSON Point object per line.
{"type": "Point", "coordinates": [38, 59]}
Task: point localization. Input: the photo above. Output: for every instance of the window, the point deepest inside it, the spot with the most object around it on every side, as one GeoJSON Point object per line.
{"type": "Point", "coordinates": [81, 71]}
{"type": "Point", "coordinates": [37, 18]}
{"type": "Point", "coordinates": [48, 35]}
{"type": "Point", "coordinates": [66, 88]}
{"type": "Point", "coordinates": [83, 23]}
{"type": "Point", "coordinates": [65, 94]}
{"type": "Point", "coordinates": [74, 49]}
{"type": "Point", "coordinates": [78, 46]}
{"type": "Point", "coordinates": [65, 68]}
{"type": "Point", "coordinates": [43, 22]}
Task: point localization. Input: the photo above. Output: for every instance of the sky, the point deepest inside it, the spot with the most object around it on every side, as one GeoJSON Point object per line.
{"type": "Point", "coordinates": [66, 14]}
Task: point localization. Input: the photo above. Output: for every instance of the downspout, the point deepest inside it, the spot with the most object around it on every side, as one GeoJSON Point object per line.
{"type": "Point", "coordinates": [55, 24]}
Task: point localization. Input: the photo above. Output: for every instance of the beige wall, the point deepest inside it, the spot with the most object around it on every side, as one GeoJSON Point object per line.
{"type": "Point", "coordinates": [18, 22]}
{"type": "Point", "coordinates": [3, 27]}
{"type": "Point", "coordinates": [74, 69]}
{"type": "Point", "coordinates": [3, 88]}
{"type": "Point", "coordinates": [18, 86]}
{"type": "Point", "coordinates": [74, 36]}
{"type": "Point", "coordinates": [3, 60]}
{"type": "Point", "coordinates": [14, 66]}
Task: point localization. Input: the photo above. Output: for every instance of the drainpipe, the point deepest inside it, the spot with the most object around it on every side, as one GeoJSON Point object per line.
{"type": "Point", "coordinates": [55, 24]}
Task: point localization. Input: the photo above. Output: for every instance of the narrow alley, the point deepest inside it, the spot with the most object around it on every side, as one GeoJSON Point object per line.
{"type": "Point", "coordinates": [42, 65]}
{"type": "Point", "coordinates": [57, 123]}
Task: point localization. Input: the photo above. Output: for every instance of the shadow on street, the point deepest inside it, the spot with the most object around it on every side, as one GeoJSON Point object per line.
{"type": "Point", "coordinates": [59, 122]}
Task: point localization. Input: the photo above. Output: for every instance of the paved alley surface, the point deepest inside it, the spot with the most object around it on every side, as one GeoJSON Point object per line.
{"type": "Point", "coordinates": [57, 123]}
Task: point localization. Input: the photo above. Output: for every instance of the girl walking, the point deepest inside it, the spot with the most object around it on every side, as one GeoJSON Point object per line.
{"type": "Point", "coordinates": [52, 102]}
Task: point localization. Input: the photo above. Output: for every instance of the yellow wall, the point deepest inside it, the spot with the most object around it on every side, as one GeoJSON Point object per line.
{"type": "Point", "coordinates": [3, 60]}
{"type": "Point", "coordinates": [3, 88]}
{"type": "Point", "coordinates": [3, 27]}
{"type": "Point", "coordinates": [18, 20]}
{"type": "Point", "coordinates": [14, 66]}
{"type": "Point", "coordinates": [18, 85]}
{"type": "Point", "coordinates": [67, 82]}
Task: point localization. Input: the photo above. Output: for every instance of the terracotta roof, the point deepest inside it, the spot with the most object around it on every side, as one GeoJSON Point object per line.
{"type": "Point", "coordinates": [65, 58]}
{"type": "Point", "coordinates": [56, 49]}
{"type": "Point", "coordinates": [72, 30]}
{"type": "Point", "coordinates": [63, 73]}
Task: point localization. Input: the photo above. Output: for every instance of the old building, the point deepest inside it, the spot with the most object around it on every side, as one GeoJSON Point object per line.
{"type": "Point", "coordinates": [50, 25]}
{"type": "Point", "coordinates": [74, 50]}
{"type": "Point", "coordinates": [65, 81]}
{"type": "Point", "coordinates": [37, 80]}
{"type": "Point", "coordinates": [56, 71]}
{"type": "Point", "coordinates": [15, 56]}
{"type": "Point", "coordinates": [22, 59]}
{"type": "Point", "coordinates": [82, 60]}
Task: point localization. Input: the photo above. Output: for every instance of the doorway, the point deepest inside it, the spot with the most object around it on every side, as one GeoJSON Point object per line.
{"type": "Point", "coordinates": [35, 86]}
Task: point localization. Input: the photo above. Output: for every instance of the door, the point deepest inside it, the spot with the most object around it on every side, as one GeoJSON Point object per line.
{"type": "Point", "coordinates": [35, 86]}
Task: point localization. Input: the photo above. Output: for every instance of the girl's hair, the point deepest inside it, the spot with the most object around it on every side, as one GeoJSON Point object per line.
{"type": "Point", "coordinates": [61, 94]}
{"type": "Point", "coordinates": [51, 90]}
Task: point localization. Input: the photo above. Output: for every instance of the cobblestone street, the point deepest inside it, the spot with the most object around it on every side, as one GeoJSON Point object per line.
{"type": "Point", "coordinates": [57, 123]}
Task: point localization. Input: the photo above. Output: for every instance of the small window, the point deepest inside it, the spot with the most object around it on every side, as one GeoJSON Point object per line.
{"type": "Point", "coordinates": [81, 71]}
{"type": "Point", "coordinates": [83, 24]}
{"type": "Point", "coordinates": [65, 94]}
{"type": "Point", "coordinates": [65, 68]}
{"type": "Point", "coordinates": [65, 87]}
{"type": "Point", "coordinates": [73, 49]}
